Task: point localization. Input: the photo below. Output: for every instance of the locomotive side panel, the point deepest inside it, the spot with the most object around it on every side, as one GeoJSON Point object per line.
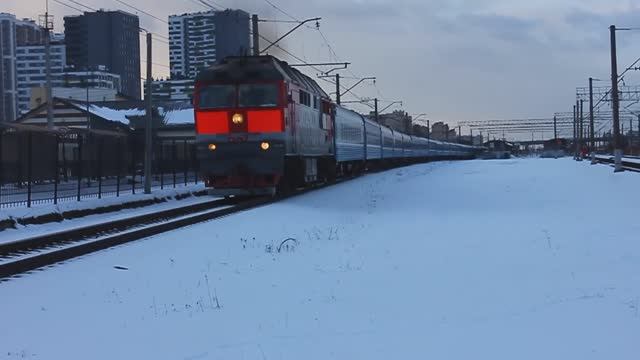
{"type": "Point", "coordinates": [311, 126]}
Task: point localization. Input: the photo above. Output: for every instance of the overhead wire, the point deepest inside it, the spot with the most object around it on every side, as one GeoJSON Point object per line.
{"type": "Point", "coordinates": [142, 11]}
{"type": "Point", "coordinates": [81, 4]}
{"type": "Point", "coordinates": [69, 6]}
{"type": "Point", "coordinates": [332, 52]}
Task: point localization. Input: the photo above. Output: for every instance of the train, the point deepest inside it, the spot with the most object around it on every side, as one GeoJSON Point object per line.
{"type": "Point", "coordinates": [263, 127]}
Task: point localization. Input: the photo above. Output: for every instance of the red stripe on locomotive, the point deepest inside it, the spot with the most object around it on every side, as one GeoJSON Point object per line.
{"type": "Point", "coordinates": [212, 122]}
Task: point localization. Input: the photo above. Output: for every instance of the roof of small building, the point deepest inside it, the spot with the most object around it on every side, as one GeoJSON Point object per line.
{"type": "Point", "coordinates": [172, 113]}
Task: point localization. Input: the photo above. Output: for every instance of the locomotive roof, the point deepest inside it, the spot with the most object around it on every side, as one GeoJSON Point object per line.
{"type": "Point", "coordinates": [259, 68]}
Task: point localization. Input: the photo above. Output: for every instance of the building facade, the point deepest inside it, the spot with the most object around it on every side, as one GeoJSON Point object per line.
{"type": "Point", "coordinates": [39, 95]}
{"type": "Point", "coordinates": [440, 131]}
{"type": "Point", "coordinates": [397, 120]}
{"type": "Point", "coordinates": [199, 40]}
{"type": "Point", "coordinates": [31, 70]}
{"type": "Point", "coordinates": [172, 90]}
{"type": "Point", "coordinates": [13, 33]}
{"type": "Point", "coordinates": [96, 78]}
{"type": "Point", "coordinates": [108, 39]}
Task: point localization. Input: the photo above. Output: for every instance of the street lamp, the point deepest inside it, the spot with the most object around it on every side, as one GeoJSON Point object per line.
{"type": "Point", "coordinates": [356, 84]}
{"type": "Point", "coordinates": [417, 116]}
{"type": "Point", "coordinates": [390, 105]}
{"type": "Point", "coordinates": [289, 32]}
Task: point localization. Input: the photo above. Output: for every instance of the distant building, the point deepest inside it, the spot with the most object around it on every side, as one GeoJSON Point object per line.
{"type": "Point", "coordinates": [439, 131]}
{"type": "Point", "coordinates": [97, 78]}
{"type": "Point", "coordinates": [172, 90]}
{"type": "Point", "coordinates": [13, 33]}
{"type": "Point", "coordinates": [397, 120]}
{"type": "Point", "coordinates": [31, 70]}
{"type": "Point", "coordinates": [199, 40]}
{"type": "Point", "coordinates": [476, 140]}
{"type": "Point", "coordinates": [420, 130]}
{"type": "Point", "coordinates": [106, 38]}
{"type": "Point", "coordinates": [39, 96]}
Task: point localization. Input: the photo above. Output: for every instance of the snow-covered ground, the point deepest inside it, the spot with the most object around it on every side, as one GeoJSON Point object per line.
{"type": "Point", "coordinates": [514, 259]}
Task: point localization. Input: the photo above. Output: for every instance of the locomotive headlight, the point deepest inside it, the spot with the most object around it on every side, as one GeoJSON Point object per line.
{"type": "Point", "coordinates": [237, 119]}
{"type": "Point", "coordinates": [213, 147]}
{"type": "Point", "coordinates": [265, 146]}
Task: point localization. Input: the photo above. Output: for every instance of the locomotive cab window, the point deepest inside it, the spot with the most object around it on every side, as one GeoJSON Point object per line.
{"type": "Point", "coordinates": [305, 98]}
{"type": "Point", "coordinates": [217, 96]}
{"type": "Point", "coordinates": [258, 95]}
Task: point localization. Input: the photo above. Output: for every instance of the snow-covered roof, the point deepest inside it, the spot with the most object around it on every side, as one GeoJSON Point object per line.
{"type": "Point", "coordinates": [173, 113]}
{"type": "Point", "coordinates": [119, 115]}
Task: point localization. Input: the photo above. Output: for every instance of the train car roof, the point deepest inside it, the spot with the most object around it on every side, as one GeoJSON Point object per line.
{"type": "Point", "coordinates": [259, 68]}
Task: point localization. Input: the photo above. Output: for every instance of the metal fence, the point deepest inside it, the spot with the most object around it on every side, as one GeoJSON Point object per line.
{"type": "Point", "coordinates": [40, 166]}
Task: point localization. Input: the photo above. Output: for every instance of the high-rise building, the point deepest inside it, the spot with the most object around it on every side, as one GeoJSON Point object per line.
{"type": "Point", "coordinates": [31, 70]}
{"type": "Point", "coordinates": [106, 38]}
{"type": "Point", "coordinates": [199, 40]}
{"type": "Point", "coordinates": [13, 32]}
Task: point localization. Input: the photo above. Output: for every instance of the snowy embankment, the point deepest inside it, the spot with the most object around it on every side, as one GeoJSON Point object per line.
{"type": "Point", "coordinates": [48, 218]}
{"type": "Point", "coordinates": [515, 259]}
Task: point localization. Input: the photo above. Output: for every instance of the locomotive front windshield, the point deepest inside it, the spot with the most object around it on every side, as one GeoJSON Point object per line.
{"type": "Point", "coordinates": [217, 97]}
{"type": "Point", "coordinates": [258, 95]}
{"type": "Point", "coordinates": [243, 95]}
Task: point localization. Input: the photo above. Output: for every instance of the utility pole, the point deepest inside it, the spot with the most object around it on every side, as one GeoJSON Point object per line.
{"type": "Point", "coordinates": [615, 98]}
{"type": "Point", "coordinates": [592, 136]}
{"type": "Point", "coordinates": [47, 24]}
{"type": "Point", "coordinates": [581, 129]}
{"type": "Point", "coordinates": [148, 136]}
{"type": "Point", "coordinates": [256, 35]}
{"type": "Point", "coordinates": [375, 107]}
{"type": "Point", "coordinates": [459, 133]}
{"type": "Point", "coordinates": [575, 132]}
{"type": "Point", "coordinates": [338, 89]}
{"type": "Point", "coordinates": [87, 106]}
{"type": "Point", "coordinates": [555, 127]}
{"type": "Point", "coordinates": [429, 127]}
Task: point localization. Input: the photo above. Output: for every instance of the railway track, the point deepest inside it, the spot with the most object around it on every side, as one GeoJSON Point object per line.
{"type": "Point", "coordinates": [631, 164]}
{"type": "Point", "coordinates": [22, 256]}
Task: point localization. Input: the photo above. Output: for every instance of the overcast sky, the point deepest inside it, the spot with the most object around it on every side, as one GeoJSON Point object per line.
{"type": "Point", "coordinates": [452, 59]}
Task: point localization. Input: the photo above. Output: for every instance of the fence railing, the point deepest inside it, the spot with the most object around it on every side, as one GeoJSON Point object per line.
{"type": "Point", "coordinates": [39, 166]}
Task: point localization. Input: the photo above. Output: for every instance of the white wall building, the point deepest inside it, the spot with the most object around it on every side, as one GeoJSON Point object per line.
{"type": "Point", "coordinates": [172, 90]}
{"type": "Point", "coordinates": [199, 40]}
{"type": "Point", "coordinates": [13, 33]}
{"type": "Point", "coordinates": [99, 79]}
{"type": "Point", "coordinates": [192, 43]}
{"type": "Point", "coordinates": [31, 70]}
